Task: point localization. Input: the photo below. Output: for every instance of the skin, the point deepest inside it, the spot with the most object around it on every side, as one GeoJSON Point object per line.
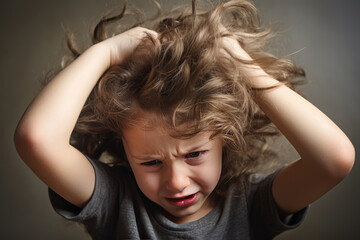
{"type": "Point", "coordinates": [166, 167]}
{"type": "Point", "coordinates": [327, 155]}
{"type": "Point", "coordinates": [43, 134]}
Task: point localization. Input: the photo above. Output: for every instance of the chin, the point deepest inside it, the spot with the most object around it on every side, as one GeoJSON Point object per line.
{"type": "Point", "coordinates": [183, 215]}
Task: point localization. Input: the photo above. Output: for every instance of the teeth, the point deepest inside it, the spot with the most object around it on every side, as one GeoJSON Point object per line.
{"type": "Point", "coordinates": [182, 198]}
{"type": "Point", "coordinates": [189, 196]}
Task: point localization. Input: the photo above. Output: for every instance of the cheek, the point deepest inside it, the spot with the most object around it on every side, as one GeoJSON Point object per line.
{"type": "Point", "coordinates": [213, 174]}
{"type": "Point", "coordinates": [208, 174]}
{"type": "Point", "coordinates": [215, 165]}
{"type": "Point", "coordinates": [148, 184]}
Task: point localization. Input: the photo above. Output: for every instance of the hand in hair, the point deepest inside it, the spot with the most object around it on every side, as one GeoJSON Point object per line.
{"type": "Point", "coordinates": [258, 78]}
{"type": "Point", "coordinates": [123, 45]}
{"type": "Point", "coordinates": [327, 155]}
{"type": "Point", "coordinates": [42, 137]}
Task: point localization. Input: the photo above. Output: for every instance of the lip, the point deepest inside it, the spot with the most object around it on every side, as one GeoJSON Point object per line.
{"type": "Point", "coordinates": [183, 201]}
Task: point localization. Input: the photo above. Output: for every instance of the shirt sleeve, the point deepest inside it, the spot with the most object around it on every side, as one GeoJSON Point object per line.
{"type": "Point", "coordinates": [104, 200]}
{"type": "Point", "coordinates": [265, 219]}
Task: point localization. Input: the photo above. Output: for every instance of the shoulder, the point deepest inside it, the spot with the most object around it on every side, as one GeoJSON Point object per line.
{"type": "Point", "coordinates": [248, 190]}
{"type": "Point", "coordinates": [111, 183]}
{"type": "Point", "coordinates": [251, 193]}
{"type": "Point", "coordinates": [251, 183]}
{"type": "Point", "coordinates": [110, 171]}
{"type": "Point", "coordinates": [263, 211]}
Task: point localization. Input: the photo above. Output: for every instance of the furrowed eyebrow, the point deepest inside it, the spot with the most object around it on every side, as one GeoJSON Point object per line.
{"type": "Point", "coordinates": [146, 158]}
{"type": "Point", "coordinates": [197, 147]}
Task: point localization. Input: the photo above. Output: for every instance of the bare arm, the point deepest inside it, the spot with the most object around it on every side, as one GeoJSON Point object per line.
{"type": "Point", "coordinates": [43, 134]}
{"type": "Point", "coordinates": [327, 155]}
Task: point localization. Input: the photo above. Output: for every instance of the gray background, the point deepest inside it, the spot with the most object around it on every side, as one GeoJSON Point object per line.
{"type": "Point", "coordinates": [32, 42]}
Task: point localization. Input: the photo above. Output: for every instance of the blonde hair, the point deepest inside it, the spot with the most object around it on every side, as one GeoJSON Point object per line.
{"type": "Point", "coordinates": [185, 78]}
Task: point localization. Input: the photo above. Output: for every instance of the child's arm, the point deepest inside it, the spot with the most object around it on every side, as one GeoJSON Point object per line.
{"type": "Point", "coordinates": [43, 134]}
{"type": "Point", "coordinates": [327, 155]}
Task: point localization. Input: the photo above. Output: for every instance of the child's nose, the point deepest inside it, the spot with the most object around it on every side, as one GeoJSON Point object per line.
{"type": "Point", "coordinates": [177, 178]}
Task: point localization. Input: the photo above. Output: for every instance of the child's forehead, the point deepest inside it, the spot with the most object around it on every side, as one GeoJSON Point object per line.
{"type": "Point", "coordinates": [159, 137]}
{"type": "Point", "coordinates": [149, 120]}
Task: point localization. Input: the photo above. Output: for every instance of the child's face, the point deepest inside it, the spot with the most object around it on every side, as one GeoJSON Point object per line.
{"type": "Point", "coordinates": [177, 174]}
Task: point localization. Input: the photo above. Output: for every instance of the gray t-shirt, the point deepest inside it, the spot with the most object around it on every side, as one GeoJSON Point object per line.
{"type": "Point", "coordinates": [118, 210]}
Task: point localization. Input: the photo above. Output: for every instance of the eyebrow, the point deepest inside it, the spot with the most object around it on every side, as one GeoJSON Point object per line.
{"type": "Point", "coordinates": [153, 156]}
{"type": "Point", "coordinates": [197, 147]}
{"type": "Point", "coordinates": [146, 158]}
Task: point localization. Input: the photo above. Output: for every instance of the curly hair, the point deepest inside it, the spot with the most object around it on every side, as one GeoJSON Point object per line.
{"type": "Point", "coordinates": [184, 77]}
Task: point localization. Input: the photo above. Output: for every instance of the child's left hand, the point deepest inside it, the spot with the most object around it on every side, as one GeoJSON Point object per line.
{"type": "Point", "coordinates": [327, 155]}
{"type": "Point", "coordinates": [258, 77]}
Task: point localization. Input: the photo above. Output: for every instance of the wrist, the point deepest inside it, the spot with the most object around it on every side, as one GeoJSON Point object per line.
{"type": "Point", "coordinates": [258, 78]}
{"type": "Point", "coordinates": [101, 51]}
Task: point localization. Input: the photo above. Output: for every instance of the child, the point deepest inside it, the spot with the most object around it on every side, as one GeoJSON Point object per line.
{"type": "Point", "coordinates": [183, 110]}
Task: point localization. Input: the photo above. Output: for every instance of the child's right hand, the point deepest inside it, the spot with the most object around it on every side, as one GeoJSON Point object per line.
{"type": "Point", "coordinates": [121, 46]}
{"type": "Point", "coordinates": [42, 137]}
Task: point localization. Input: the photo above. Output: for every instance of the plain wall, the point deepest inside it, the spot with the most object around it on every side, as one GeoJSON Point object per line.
{"type": "Point", "coordinates": [32, 42]}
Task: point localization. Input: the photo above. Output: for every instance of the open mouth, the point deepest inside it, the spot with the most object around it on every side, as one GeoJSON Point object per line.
{"type": "Point", "coordinates": [185, 201]}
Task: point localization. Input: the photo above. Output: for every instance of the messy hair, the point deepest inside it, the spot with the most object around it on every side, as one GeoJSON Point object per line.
{"type": "Point", "coordinates": [186, 79]}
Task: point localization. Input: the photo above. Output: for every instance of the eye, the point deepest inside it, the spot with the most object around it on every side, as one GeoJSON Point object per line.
{"type": "Point", "coordinates": [194, 154]}
{"type": "Point", "coordinates": [151, 163]}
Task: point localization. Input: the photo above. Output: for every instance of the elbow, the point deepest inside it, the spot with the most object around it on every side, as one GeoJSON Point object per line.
{"type": "Point", "coordinates": [343, 159]}
{"type": "Point", "coordinates": [27, 140]}
{"type": "Point", "coordinates": [34, 141]}
{"type": "Point", "coordinates": [23, 139]}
